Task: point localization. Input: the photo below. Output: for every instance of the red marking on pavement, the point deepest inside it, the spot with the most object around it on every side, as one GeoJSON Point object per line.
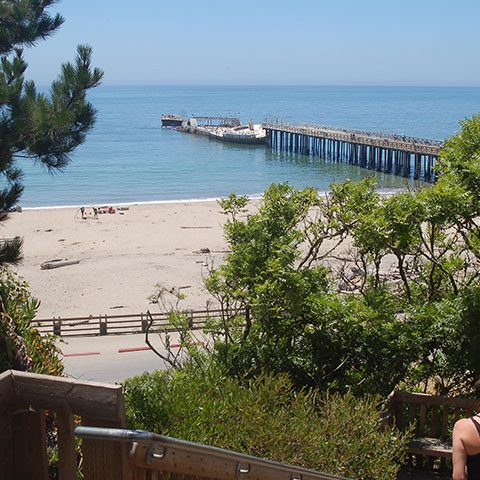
{"type": "Point", "coordinates": [84, 354]}
{"type": "Point", "coordinates": [133, 349]}
{"type": "Point", "coordinates": [178, 345]}
{"type": "Point", "coordinates": [141, 349]}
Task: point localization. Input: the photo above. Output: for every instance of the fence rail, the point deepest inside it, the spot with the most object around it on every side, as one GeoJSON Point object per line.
{"type": "Point", "coordinates": [27, 400]}
{"type": "Point", "coordinates": [100, 325]}
{"type": "Point", "coordinates": [109, 451]}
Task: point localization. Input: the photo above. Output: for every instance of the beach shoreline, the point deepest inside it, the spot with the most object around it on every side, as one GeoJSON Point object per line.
{"type": "Point", "coordinates": [122, 256]}
{"type": "Point", "coordinates": [135, 203]}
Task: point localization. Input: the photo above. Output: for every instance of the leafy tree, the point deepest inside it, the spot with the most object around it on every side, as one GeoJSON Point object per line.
{"type": "Point", "coordinates": [450, 361]}
{"type": "Point", "coordinates": [45, 128]}
{"type": "Point", "coordinates": [460, 156]}
{"type": "Point", "coordinates": [351, 290]}
{"type": "Point", "coordinates": [297, 322]}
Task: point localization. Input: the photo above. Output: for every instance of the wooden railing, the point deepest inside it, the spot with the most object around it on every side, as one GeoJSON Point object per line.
{"type": "Point", "coordinates": [25, 401]}
{"type": "Point", "coordinates": [118, 324]}
{"type": "Point", "coordinates": [28, 402]}
{"type": "Point", "coordinates": [431, 418]}
{"type": "Point", "coordinates": [109, 451]}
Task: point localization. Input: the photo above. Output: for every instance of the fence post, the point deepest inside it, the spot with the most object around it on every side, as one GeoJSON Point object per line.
{"type": "Point", "coordinates": [190, 318]}
{"type": "Point", "coordinates": [103, 325]}
{"type": "Point", "coordinates": [57, 326]}
{"type": "Point", "coordinates": [144, 323]}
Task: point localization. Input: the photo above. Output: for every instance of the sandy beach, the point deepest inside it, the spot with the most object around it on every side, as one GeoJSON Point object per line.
{"type": "Point", "coordinates": [122, 255]}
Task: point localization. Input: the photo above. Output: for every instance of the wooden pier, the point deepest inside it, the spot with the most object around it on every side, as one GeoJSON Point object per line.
{"type": "Point", "coordinates": [389, 153]}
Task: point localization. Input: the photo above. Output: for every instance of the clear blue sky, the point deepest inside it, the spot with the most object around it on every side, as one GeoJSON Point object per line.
{"type": "Point", "coordinates": [335, 42]}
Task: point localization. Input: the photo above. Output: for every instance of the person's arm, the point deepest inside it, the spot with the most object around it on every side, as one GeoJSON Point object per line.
{"type": "Point", "coordinates": [459, 454]}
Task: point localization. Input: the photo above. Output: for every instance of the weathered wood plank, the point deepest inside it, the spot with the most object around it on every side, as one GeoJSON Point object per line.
{"type": "Point", "coordinates": [456, 415]}
{"type": "Point", "coordinates": [426, 399]}
{"type": "Point", "coordinates": [87, 399]}
{"type": "Point", "coordinates": [434, 430]}
{"type": "Point", "coordinates": [67, 456]}
{"type": "Point", "coordinates": [423, 416]}
{"type": "Point", "coordinates": [430, 446]}
{"type": "Point", "coordinates": [6, 390]}
{"type": "Point", "coordinates": [207, 465]}
{"type": "Point", "coordinates": [103, 459]}
{"type": "Point", "coordinates": [445, 412]}
{"type": "Point", "coordinates": [29, 444]}
{"type": "Point", "coordinates": [6, 447]}
{"type": "Point", "coordinates": [140, 474]}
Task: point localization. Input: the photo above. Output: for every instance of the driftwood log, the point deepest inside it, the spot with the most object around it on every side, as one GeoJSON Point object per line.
{"type": "Point", "coordinates": [57, 264]}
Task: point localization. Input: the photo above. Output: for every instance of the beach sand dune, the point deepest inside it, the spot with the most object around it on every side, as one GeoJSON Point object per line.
{"type": "Point", "coordinates": [122, 255]}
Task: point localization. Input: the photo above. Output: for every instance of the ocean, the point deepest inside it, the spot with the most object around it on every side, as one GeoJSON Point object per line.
{"type": "Point", "coordinates": [128, 157]}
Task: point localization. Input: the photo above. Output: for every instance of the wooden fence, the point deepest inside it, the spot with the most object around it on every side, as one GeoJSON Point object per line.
{"type": "Point", "coordinates": [29, 402]}
{"type": "Point", "coordinates": [108, 451]}
{"type": "Point", "coordinates": [25, 400]}
{"type": "Point", "coordinates": [90, 326]}
{"type": "Point", "coordinates": [432, 419]}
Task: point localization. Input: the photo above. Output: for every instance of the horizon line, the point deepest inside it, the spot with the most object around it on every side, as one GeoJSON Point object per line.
{"type": "Point", "coordinates": [328, 85]}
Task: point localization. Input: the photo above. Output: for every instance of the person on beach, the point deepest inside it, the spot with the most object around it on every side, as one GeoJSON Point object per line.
{"type": "Point", "coordinates": [95, 212]}
{"type": "Point", "coordinates": [466, 449]}
{"type": "Point", "coordinates": [82, 212]}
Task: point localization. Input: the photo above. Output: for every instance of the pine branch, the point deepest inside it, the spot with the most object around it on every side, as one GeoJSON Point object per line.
{"type": "Point", "coordinates": [24, 23]}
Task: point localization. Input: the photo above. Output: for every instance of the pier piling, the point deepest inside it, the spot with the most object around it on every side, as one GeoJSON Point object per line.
{"type": "Point", "coordinates": [388, 153]}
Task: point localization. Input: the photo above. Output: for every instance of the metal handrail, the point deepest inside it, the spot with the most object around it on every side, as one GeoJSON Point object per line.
{"type": "Point", "coordinates": [241, 459]}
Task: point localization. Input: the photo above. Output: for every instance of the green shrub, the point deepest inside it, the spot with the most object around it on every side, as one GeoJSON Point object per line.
{"type": "Point", "coordinates": [267, 418]}
{"type": "Point", "coordinates": [21, 345]}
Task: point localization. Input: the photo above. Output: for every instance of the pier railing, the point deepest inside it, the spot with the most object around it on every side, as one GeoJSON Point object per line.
{"type": "Point", "coordinates": [99, 325]}
{"type": "Point", "coordinates": [385, 140]}
{"type": "Point", "coordinates": [388, 153]}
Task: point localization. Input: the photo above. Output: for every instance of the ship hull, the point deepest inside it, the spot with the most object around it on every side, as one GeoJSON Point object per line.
{"type": "Point", "coordinates": [172, 120]}
{"type": "Point", "coordinates": [243, 139]}
{"type": "Point", "coordinates": [171, 123]}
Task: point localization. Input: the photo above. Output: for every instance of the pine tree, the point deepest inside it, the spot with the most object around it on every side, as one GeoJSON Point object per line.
{"type": "Point", "coordinates": [44, 128]}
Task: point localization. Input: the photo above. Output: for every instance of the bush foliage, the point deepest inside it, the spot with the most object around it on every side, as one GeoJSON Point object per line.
{"type": "Point", "coordinates": [264, 416]}
{"type": "Point", "coordinates": [354, 291]}
{"type": "Point", "coordinates": [21, 345]}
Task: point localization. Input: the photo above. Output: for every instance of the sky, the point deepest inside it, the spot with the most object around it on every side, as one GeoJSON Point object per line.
{"type": "Point", "coordinates": [268, 42]}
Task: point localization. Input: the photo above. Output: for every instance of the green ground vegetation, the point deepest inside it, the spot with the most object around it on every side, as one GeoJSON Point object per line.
{"type": "Point", "coordinates": [265, 416]}
{"type": "Point", "coordinates": [21, 345]}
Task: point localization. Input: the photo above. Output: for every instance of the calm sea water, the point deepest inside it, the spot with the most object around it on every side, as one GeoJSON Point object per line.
{"type": "Point", "coordinates": [128, 157]}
